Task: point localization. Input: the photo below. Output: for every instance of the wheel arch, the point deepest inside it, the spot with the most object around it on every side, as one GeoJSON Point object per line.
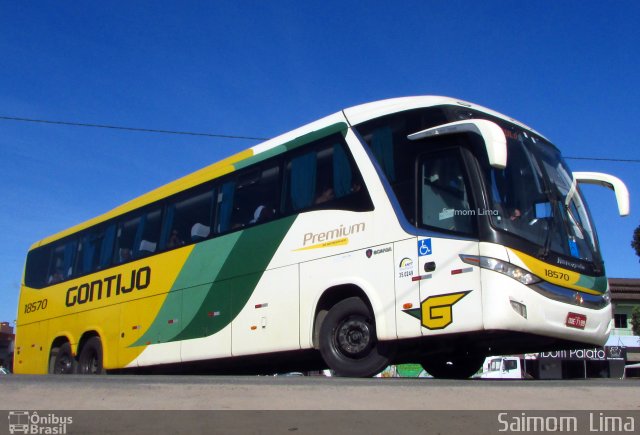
{"type": "Point", "coordinates": [59, 341]}
{"type": "Point", "coordinates": [331, 297]}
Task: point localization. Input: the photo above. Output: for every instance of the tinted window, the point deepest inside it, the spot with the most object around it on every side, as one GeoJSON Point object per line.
{"type": "Point", "coordinates": [395, 154]}
{"type": "Point", "coordinates": [324, 176]}
{"type": "Point", "coordinates": [37, 265]}
{"type": "Point", "coordinates": [95, 249]}
{"type": "Point", "coordinates": [320, 175]}
{"type": "Point", "coordinates": [138, 236]}
{"type": "Point", "coordinates": [189, 218]}
{"type": "Point", "coordinates": [444, 194]}
{"type": "Point", "coordinates": [251, 197]}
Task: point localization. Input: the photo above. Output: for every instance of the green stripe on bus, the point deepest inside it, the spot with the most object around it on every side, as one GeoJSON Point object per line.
{"type": "Point", "coordinates": [198, 272]}
{"type": "Point", "coordinates": [208, 308]}
{"type": "Point", "coordinates": [598, 283]}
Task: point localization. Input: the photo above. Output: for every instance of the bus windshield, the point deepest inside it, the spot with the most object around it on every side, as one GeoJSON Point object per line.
{"type": "Point", "coordinates": [534, 198]}
{"type": "Point", "coordinates": [537, 198]}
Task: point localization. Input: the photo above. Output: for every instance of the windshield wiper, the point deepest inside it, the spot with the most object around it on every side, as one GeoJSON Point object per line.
{"type": "Point", "coordinates": [543, 253]}
{"type": "Point", "coordinates": [587, 237]}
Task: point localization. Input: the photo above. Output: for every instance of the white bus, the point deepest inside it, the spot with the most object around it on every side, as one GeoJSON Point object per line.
{"type": "Point", "coordinates": [421, 229]}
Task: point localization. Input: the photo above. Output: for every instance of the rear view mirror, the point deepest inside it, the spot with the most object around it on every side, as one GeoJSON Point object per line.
{"type": "Point", "coordinates": [543, 210]}
{"type": "Point", "coordinates": [610, 182]}
{"type": "Point", "coordinates": [494, 139]}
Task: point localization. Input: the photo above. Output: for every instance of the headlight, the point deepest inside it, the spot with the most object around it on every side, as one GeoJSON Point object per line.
{"type": "Point", "coordinates": [511, 270]}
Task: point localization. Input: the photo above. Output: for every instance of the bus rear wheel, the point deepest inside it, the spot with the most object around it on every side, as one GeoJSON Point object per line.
{"type": "Point", "coordinates": [453, 366]}
{"type": "Point", "coordinates": [90, 360]}
{"type": "Point", "coordinates": [61, 360]}
{"type": "Point", "coordinates": [348, 342]}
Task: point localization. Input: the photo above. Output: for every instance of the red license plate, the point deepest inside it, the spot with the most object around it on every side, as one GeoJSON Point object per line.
{"type": "Point", "coordinates": [575, 320]}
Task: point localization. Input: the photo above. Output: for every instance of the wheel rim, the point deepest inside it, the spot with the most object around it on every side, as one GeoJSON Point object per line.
{"type": "Point", "coordinates": [64, 364]}
{"type": "Point", "coordinates": [353, 337]}
{"type": "Point", "coordinates": [90, 364]}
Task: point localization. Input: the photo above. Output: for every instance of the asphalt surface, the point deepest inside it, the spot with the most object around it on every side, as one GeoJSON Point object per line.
{"type": "Point", "coordinates": [136, 392]}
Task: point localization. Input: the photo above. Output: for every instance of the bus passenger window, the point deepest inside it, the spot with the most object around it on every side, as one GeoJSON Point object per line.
{"type": "Point", "coordinates": [138, 236]}
{"type": "Point", "coordinates": [148, 234]}
{"type": "Point", "coordinates": [55, 268]}
{"type": "Point", "coordinates": [444, 194]}
{"type": "Point", "coordinates": [106, 248]}
{"type": "Point", "coordinates": [253, 201]}
{"type": "Point", "coordinates": [89, 251]}
{"type": "Point", "coordinates": [302, 182]}
{"type": "Point", "coordinates": [36, 270]}
{"type": "Point", "coordinates": [61, 266]}
{"type": "Point", "coordinates": [188, 219]}
{"type": "Point", "coordinates": [325, 178]}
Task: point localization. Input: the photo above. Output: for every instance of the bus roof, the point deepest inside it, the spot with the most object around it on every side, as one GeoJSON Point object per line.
{"type": "Point", "coordinates": [354, 115]}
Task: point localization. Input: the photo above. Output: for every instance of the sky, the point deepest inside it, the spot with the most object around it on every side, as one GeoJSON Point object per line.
{"type": "Point", "coordinates": [569, 69]}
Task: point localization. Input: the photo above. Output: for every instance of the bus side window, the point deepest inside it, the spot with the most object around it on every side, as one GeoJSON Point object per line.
{"type": "Point", "coordinates": [325, 178]}
{"type": "Point", "coordinates": [106, 247]}
{"type": "Point", "coordinates": [254, 200]}
{"type": "Point", "coordinates": [124, 240]}
{"type": "Point", "coordinates": [301, 173]}
{"type": "Point", "coordinates": [56, 266]}
{"type": "Point", "coordinates": [148, 233]}
{"type": "Point", "coordinates": [88, 251]}
{"type": "Point", "coordinates": [36, 273]}
{"type": "Point", "coordinates": [188, 219]}
{"type": "Point", "coordinates": [61, 266]}
{"type": "Point", "coordinates": [261, 198]}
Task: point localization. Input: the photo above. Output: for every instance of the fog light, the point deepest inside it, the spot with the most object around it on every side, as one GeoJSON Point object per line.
{"type": "Point", "coordinates": [519, 308]}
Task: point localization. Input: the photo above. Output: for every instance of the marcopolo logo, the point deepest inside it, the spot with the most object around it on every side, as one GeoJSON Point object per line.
{"type": "Point", "coordinates": [33, 423]}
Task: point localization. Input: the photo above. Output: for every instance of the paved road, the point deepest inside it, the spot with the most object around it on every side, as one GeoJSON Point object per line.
{"type": "Point", "coordinates": [134, 392]}
{"type": "Point", "coordinates": [153, 405]}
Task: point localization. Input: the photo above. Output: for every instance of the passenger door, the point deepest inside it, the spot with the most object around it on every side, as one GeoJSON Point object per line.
{"type": "Point", "coordinates": [449, 288]}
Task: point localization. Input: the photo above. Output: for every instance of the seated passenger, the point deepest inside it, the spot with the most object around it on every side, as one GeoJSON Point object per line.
{"type": "Point", "coordinates": [56, 277]}
{"type": "Point", "coordinates": [326, 196]}
{"type": "Point", "coordinates": [262, 213]}
{"type": "Point", "coordinates": [125, 255]}
{"type": "Point", "coordinates": [174, 240]}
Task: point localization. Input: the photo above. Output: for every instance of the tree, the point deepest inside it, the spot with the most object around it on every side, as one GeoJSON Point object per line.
{"type": "Point", "coordinates": [635, 321]}
{"type": "Point", "coordinates": [635, 242]}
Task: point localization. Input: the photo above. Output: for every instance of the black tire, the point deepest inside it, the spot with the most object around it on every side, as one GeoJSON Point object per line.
{"type": "Point", "coordinates": [90, 360]}
{"type": "Point", "coordinates": [454, 366]}
{"type": "Point", "coordinates": [348, 341]}
{"type": "Point", "coordinates": [61, 360]}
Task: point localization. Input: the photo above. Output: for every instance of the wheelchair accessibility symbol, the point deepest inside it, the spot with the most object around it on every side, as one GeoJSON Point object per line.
{"type": "Point", "coordinates": [424, 247]}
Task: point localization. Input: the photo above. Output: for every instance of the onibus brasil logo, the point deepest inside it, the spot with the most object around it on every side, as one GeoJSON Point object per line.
{"type": "Point", "coordinates": [33, 423]}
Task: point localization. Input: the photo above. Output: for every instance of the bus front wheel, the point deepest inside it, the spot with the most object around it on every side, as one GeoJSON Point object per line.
{"type": "Point", "coordinates": [348, 342]}
{"type": "Point", "coordinates": [453, 366]}
{"type": "Point", "coordinates": [90, 360]}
